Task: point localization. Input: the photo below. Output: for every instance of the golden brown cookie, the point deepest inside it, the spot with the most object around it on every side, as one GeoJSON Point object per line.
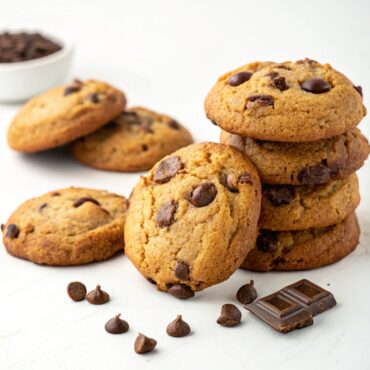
{"type": "Point", "coordinates": [303, 250]}
{"type": "Point", "coordinates": [286, 207]}
{"type": "Point", "coordinates": [134, 141]}
{"type": "Point", "coordinates": [193, 219]}
{"type": "Point", "coordinates": [64, 114]}
{"type": "Point", "coordinates": [301, 101]}
{"type": "Point", "coordinates": [71, 226]}
{"type": "Point", "coordinates": [314, 162]}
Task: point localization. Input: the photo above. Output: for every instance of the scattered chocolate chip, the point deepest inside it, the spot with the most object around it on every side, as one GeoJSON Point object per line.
{"type": "Point", "coordinates": [203, 194]}
{"type": "Point", "coordinates": [260, 101]}
{"type": "Point", "coordinates": [151, 281]}
{"type": "Point", "coordinates": [247, 293]}
{"type": "Point", "coordinates": [181, 291]}
{"type": "Point", "coordinates": [44, 205]}
{"type": "Point", "coordinates": [239, 78]}
{"type": "Point", "coordinates": [173, 124]}
{"type": "Point", "coordinates": [97, 296]}
{"type": "Point", "coordinates": [267, 241]}
{"type": "Point", "coordinates": [230, 315]}
{"type": "Point", "coordinates": [144, 344]}
{"type": "Point", "coordinates": [280, 195]}
{"type": "Point", "coordinates": [178, 328]}
{"type": "Point", "coordinates": [317, 174]}
{"type": "Point", "coordinates": [76, 291]}
{"type": "Point", "coordinates": [359, 90]}
{"type": "Point", "coordinates": [167, 169]}
{"type": "Point", "coordinates": [280, 83]}
{"type": "Point", "coordinates": [315, 85]}
{"type": "Point", "coordinates": [182, 270]}
{"type": "Point", "coordinates": [116, 325]}
{"type": "Point", "coordinates": [245, 178]}
{"type": "Point", "coordinates": [94, 98]}
{"type": "Point", "coordinates": [166, 214]}
{"type": "Point", "coordinates": [12, 231]}
{"type": "Point", "coordinates": [79, 202]}
{"type": "Point", "coordinates": [74, 87]}
{"type": "Point", "coordinates": [229, 182]}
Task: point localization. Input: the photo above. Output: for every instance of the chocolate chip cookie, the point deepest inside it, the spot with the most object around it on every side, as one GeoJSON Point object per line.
{"type": "Point", "coordinates": [71, 226]}
{"type": "Point", "coordinates": [308, 163]}
{"type": "Point", "coordinates": [64, 114]}
{"type": "Point", "coordinates": [303, 250]}
{"type": "Point", "coordinates": [286, 207]}
{"type": "Point", "coordinates": [192, 220]}
{"type": "Point", "coordinates": [290, 101]}
{"type": "Point", "coordinates": [134, 141]}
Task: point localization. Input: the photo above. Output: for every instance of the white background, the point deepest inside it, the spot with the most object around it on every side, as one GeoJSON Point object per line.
{"type": "Point", "coordinates": [166, 55]}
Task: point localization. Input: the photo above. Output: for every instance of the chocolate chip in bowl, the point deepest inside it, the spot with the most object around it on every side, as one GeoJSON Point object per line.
{"type": "Point", "coordinates": [32, 62]}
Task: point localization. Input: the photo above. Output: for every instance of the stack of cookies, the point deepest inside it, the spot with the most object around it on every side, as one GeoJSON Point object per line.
{"type": "Point", "coordinates": [92, 116]}
{"type": "Point", "coordinates": [296, 121]}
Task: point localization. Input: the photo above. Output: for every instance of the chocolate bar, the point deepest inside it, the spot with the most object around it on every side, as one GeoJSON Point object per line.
{"type": "Point", "coordinates": [280, 312]}
{"type": "Point", "coordinates": [293, 307]}
{"type": "Point", "coordinates": [310, 296]}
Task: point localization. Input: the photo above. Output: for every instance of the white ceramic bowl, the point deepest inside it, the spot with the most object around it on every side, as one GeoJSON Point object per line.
{"type": "Point", "coordinates": [21, 80]}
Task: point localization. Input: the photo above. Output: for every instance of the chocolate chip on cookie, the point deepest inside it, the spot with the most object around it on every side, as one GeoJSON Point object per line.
{"type": "Point", "coordinates": [267, 241]}
{"type": "Point", "coordinates": [94, 98]}
{"type": "Point", "coordinates": [245, 178]}
{"type": "Point", "coordinates": [317, 174]}
{"type": "Point", "coordinates": [181, 291]}
{"type": "Point", "coordinates": [173, 124]}
{"type": "Point", "coordinates": [280, 195]}
{"type": "Point", "coordinates": [166, 214]}
{"type": "Point", "coordinates": [229, 182]}
{"type": "Point", "coordinates": [316, 85]}
{"type": "Point", "coordinates": [74, 87]}
{"type": "Point", "coordinates": [230, 316]}
{"type": "Point", "coordinates": [167, 169]}
{"type": "Point", "coordinates": [203, 194]}
{"type": "Point", "coordinates": [359, 90]}
{"type": "Point", "coordinates": [256, 101]}
{"type": "Point", "coordinates": [280, 83]}
{"type": "Point", "coordinates": [182, 270]}
{"type": "Point", "coordinates": [12, 231]}
{"type": "Point", "coordinates": [79, 202]}
{"type": "Point", "coordinates": [239, 78]}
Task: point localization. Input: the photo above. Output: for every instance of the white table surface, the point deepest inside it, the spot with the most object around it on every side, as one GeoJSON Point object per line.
{"type": "Point", "coordinates": [166, 55]}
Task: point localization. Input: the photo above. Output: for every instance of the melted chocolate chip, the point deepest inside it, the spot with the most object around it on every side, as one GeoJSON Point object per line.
{"type": "Point", "coordinates": [178, 328]}
{"type": "Point", "coordinates": [315, 85]}
{"type": "Point", "coordinates": [97, 296]}
{"type": "Point", "coordinates": [167, 169]}
{"type": "Point", "coordinates": [74, 87]}
{"type": "Point", "coordinates": [203, 194]}
{"type": "Point", "coordinates": [12, 231]}
{"type": "Point", "coordinates": [230, 316]}
{"type": "Point", "coordinates": [173, 124]}
{"type": "Point", "coordinates": [267, 241]}
{"type": "Point", "coordinates": [76, 291]}
{"type": "Point", "coordinates": [247, 293]}
{"type": "Point", "coordinates": [280, 195]}
{"type": "Point", "coordinates": [229, 182]}
{"type": "Point", "coordinates": [44, 205]}
{"type": "Point", "coordinates": [280, 83]}
{"type": "Point", "coordinates": [144, 344]}
{"type": "Point", "coordinates": [94, 98]}
{"type": "Point", "coordinates": [256, 101]}
{"type": "Point", "coordinates": [166, 214]}
{"type": "Point", "coordinates": [317, 174]}
{"type": "Point", "coordinates": [182, 270]}
{"type": "Point", "coordinates": [181, 291]}
{"type": "Point", "coordinates": [359, 90]}
{"type": "Point", "coordinates": [79, 202]}
{"type": "Point", "coordinates": [239, 78]}
{"type": "Point", "coordinates": [116, 325]}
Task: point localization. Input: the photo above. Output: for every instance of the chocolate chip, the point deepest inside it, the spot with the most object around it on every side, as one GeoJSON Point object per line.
{"type": "Point", "coordinates": [94, 98]}
{"type": "Point", "coordinates": [214, 122]}
{"type": "Point", "coordinates": [55, 194]}
{"type": "Point", "coordinates": [315, 85]}
{"type": "Point", "coordinates": [267, 241]}
{"type": "Point", "coordinates": [178, 328]}
{"type": "Point", "coordinates": [280, 195]}
{"type": "Point", "coordinates": [151, 281]}
{"type": "Point", "coordinates": [2, 227]}
{"type": "Point", "coordinates": [256, 101]}
{"type": "Point", "coordinates": [173, 124]}
{"type": "Point", "coordinates": [359, 90]}
{"type": "Point", "coordinates": [74, 87]}
{"type": "Point", "coordinates": [12, 231]}
{"type": "Point", "coordinates": [306, 61]}
{"type": "Point", "coordinates": [166, 214]}
{"type": "Point", "coordinates": [181, 291]}
{"type": "Point", "coordinates": [116, 325]}
{"type": "Point", "coordinates": [280, 83]}
{"type": "Point", "coordinates": [245, 178]}
{"type": "Point", "coordinates": [182, 270]}
{"type": "Point", "coordinates": [239, 78]}
{"type": "Point", "coordinates": [79, 202]}
{"type": "Point", "coordinates": [228, 181]}
{"type": "Point", "coordinates": [237, 141]}
{"type": "Point", "coordinates": [131, 117]}
{"type": "Point", "coordinates": [144, 344]}
{"type": "Point", "coordinates": [247, 293]}
{"type": "Point", "coordinates": [144, 147]}
{"type": "Point", "coordinates": [76, 291]}
{"type": "Point", "coordinates": [97, 296]}
{"type": "Point", "coordinates": [203, 194]}
{"type": "Point", "coordinates": [272, 74]}
{"type": "Point", "coordinates": [167, 169]}
{"type": "Point", "coordinates": [230, 315]}
{"type": "Point", "coordinates": [44, 205]}
{"type": "Point", "coordinates": [317, 174]}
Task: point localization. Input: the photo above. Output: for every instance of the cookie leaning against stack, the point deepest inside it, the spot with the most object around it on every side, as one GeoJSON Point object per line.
{"type": "Point", "coordinates": [193, 219]}
{"type": "Point", "coordinates": [297, 123]}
